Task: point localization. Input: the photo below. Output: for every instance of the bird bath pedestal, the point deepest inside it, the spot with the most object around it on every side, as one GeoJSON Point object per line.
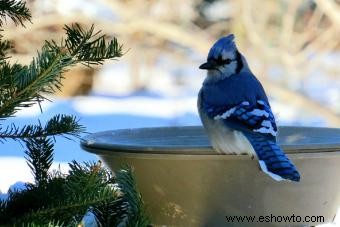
{"type": "Point", "coordinates": [185, 183]}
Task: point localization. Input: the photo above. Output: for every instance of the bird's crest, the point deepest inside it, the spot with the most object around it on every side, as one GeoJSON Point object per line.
{"type": "Point", "coordinates": [223, 44]}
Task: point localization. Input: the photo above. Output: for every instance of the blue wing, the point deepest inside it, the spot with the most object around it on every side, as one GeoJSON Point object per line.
{"type": "Point", "coordinates": [241, 101]}
{"type": "Point", "coordinates": [257, 123]}
{"type": "Point", "coordinates": [245, 117]}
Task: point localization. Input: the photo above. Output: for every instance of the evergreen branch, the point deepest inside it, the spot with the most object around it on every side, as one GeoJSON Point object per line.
{"type": "Point", "coordinates": [66, 211]}
{"type": "Point", "coordinates": [136, 215]}
{"type": "Point", "coordinates": [45, 72]}
{"type": "Point", "coordinates": [8, 88]}
{"type": "Point", "coordinates": [64, 125]}
{"type": "Point", "coordinates": [16, 10]}
{"type": "Point", "coordinates": [39, 158]}
{"type": "Point", "coordinates": [89, 47]}
{"type": "Point", "coordinates": [49, 224]}
{"type": "Point", "coordinates": [56, 199]}
{"type": "Point", "coordinates": [70, 199]}
{"type": "Point", "coordinates": [88, 178]}
{"type": "Point", "coordinates": [32, 198]}
{"type": "Point", "coordinates": [58, 125]}
{"type": "Point", "coordinates": [62, 199]}
{"type": "Point", "coordinates": [111, 212]}
{"type": "Point", "coordinates": [4, 47]}
{"type": "Point", "coordinates": [3, 209]}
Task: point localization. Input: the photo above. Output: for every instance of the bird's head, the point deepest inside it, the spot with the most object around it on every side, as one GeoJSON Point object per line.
{"type": "Point", "coordinates": [223, 60]}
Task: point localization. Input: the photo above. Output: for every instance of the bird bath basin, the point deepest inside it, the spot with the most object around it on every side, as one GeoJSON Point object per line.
{"type": "Point", "coordinates": [185, 183]}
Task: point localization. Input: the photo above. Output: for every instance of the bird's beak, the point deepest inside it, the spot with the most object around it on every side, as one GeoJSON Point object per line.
{"type": "Point", "coordinates": [208, 65]}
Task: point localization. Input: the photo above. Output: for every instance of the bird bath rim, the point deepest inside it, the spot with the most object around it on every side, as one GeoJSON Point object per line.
{"type": "Point", "coordinates": [192, 140]}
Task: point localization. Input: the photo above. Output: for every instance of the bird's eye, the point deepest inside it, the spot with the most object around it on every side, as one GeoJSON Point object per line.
{"type": "Point", "coordinates": [222, 61]}
{"type": "Point", "coordinates": [227, 61]}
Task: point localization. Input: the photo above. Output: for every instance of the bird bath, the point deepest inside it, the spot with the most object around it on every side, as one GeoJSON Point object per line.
{"type": "Point", "coordinates": [185, 183]}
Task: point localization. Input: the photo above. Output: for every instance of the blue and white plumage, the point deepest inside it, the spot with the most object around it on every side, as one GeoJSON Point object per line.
{"type": "Point", "coordinates": [236, 114]}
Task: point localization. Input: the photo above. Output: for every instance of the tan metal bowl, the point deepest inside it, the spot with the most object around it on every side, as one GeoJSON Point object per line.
{"type": "Point", "coordinates": [185, 183]}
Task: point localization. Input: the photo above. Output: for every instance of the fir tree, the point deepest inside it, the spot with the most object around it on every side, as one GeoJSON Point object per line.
{"type": "Point", "coordinates": [55, 199]}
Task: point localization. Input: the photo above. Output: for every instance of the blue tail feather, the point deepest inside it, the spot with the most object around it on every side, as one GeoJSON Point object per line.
{"type": "Point", "coordinates": [272, 159]}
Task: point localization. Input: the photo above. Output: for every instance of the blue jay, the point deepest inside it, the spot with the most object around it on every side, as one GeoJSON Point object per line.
{"type": "Point", "coordinates": [236, 114]}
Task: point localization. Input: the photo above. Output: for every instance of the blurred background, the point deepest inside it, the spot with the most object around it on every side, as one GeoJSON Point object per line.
{"type": "Point", "coordinates": [291, 46]}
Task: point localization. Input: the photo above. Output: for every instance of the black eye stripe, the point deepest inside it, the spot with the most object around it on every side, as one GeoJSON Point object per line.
{"type": "Point", "coordinates": [222, 61]}
{"type": "Point", "coordinates": [227, 61]}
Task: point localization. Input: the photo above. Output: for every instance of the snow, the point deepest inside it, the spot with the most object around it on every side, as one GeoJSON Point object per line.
{"type": "Point", "coordinates": [14, 172]}
{"type": "Point", "coordinates": [142, 106]}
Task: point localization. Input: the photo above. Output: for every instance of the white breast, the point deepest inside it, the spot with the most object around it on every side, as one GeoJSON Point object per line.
{"type": "Point", "coordinates": [226, 140]}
